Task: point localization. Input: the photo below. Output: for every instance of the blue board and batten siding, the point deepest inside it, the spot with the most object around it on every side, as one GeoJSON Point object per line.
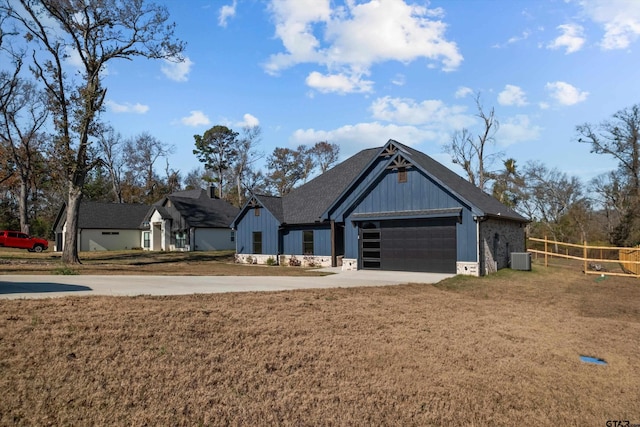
{"type": "Point", "coordinates": [292, 240]}
{"type": "Point", "coordinates": [419, 193]}
{"type": "Point", "coordinates": [378, 191]}
{"type": "Point", "coordinates": [420, 216]}
{"type": "Point", "coordinates": [265, 223]}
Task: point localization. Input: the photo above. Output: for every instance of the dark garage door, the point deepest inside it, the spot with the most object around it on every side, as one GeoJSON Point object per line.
{"type": "Point", "coordinates": [417, 245]}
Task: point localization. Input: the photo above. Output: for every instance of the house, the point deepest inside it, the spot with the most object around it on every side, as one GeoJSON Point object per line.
{"type": "Point", "coordinates": [387, 208]}
{"type": "Point", "coordinates": [103, 226]}
{"type": "Point", "coordinates": [192, 220]}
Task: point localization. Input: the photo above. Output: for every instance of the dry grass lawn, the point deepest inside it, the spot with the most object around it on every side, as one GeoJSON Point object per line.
{"type": "Point", "coordinates": [220, 263]}
{"type": "Point", "coordinates": [499, 350]}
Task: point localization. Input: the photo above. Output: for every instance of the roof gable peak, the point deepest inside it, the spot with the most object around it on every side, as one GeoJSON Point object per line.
{"type": "Point", "coordinates": [391, 148]}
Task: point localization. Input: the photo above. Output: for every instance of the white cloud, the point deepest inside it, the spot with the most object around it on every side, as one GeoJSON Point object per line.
{"type": "Point", "coordinates": [517, 129]}
{"type": "Point", "coordinates": [248, 120]}
{"type": "Point", "coordinates": [127, 107]}
{"type": "Point", "coordinates": [196, 118]}
{"type": "Point", "coordinates": [619, 18]}
{"type": "Point", "coordinates": [399, 80]}
{"type": "Point", "coordinates": [178, 71]}
{"type": "Point", "coordinates": [565, 94]}
{"type": "Point", "coordinates": [463, 92]}
{"type": "Point", "coordinates": [353, 138]}
{"type": "Point", "coordinates": [572, 38]}
{"type": "Point", "coordinates": [433, 113]}
{"type": "Point", "coordinates": [403, 119]}
{"type": "Point", "coordinates": [512, 40]}
{"type": "Point", "coordinates": [349, 39]}
{"type": "Point", "coordinates": [339, 83]}
{"type": "Point", "coordinates": [512, 95]}
{"type": "Point", "coordinates": [226, 12]}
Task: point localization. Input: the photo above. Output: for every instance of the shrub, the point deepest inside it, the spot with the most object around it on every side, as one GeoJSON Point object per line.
{"type": "Point", "coordinates": [294, 262]}
{"type": "Point", "coordinates": [270, 261]}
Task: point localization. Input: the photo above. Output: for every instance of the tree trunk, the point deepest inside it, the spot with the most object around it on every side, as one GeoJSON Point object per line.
{"type": "Point", "coordinates": [22, 207]}
{"type": "Point", "coordinates": [70, 252]}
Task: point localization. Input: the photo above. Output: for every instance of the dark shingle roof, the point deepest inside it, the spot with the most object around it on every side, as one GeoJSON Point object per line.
{"type": "Point", "coordinates": [204, 212]}
{"type": "Point", "coordinates": [306, 203]}
{"type": "Point", "coordinates": [273, 204]}
{"type": "Point", "coordinates": [489, 205]}
{"type": "Point", "coordinates": [99, 215]}
{"type": "Point", "coordinates": [196, 210]}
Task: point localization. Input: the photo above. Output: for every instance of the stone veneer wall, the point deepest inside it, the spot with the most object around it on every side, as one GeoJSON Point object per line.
{"type": "Point", "coordinates": [349, 264]}
{"type": "Point", "coordinates": [286, 260]}
{"type": "Point", "coordinates": [498, 239]}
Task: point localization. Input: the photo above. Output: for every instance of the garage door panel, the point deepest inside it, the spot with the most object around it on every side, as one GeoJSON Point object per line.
{"type": "Point", "coordinates": [418, 245]}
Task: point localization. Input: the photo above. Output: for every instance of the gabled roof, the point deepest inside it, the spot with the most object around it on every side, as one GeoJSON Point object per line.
{"type": "Point", "coordinates": [310, 202]}
{"type": "Point", "coordinates": [196, 209]}
{"type": "Point", "coordinates": [100, 215]}
{"type": "Point", "coordinates": [489, 205]}
{"type": "Point", "coordinates": [306, 203]}
{"type": "Point", "coordinates": [273, 204]}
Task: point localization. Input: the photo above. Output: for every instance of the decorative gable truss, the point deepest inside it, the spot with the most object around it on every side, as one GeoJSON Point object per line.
{"type": "Point", "coordinates": [399, 162]}
{"type": "Point", "coordinates": [254, 203]}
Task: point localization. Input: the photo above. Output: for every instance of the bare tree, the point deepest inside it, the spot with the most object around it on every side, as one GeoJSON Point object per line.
{"type": "Point", "coordinates": [173, 178]}
{"type": "Point", "coordinates": [619, 137]}
{"type": "Point", "coordinates": [98, 31]}
{"type": "Point", "coordinates": [324, 155]}
{"type": "Point", "coordinates": [110, 151]}
{"type": "Point", "coordinates": [470, 152]}
{"type": "Point", "coordinates": [247, 156]}
{"type": "Point", "coordinates": [198, 178]}
{"type": "Point", "coordinates": [22, 116]}
{"type": "Point", "coordinates": [141, 154]}
{"type": "Point", "coordinates": [287, 167]}
{"type": "Point", "coordinates": [554, 200]}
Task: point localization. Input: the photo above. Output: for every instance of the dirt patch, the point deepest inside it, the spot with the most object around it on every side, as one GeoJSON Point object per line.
{"type": "Point", "coordinates": [500, 350]}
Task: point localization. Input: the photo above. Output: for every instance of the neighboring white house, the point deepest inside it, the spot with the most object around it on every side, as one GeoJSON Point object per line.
{"type": "Point", "coordinates": [104, 226]}
{"type": "Point", "coordinates": [192, 220]}
{"type": "Point", "coordinates": [189, 220]}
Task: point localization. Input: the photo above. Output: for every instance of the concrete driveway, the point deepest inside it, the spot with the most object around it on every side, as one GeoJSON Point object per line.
{"type": "Point", "coordinates": [37, 286]}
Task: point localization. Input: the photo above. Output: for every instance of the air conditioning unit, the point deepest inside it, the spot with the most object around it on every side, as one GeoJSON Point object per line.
{"type": "Point", "coordinates": [521, 261]}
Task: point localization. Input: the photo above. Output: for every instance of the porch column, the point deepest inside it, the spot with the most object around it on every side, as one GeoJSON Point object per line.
{"type": "Point", "coordinates": [334, 258]}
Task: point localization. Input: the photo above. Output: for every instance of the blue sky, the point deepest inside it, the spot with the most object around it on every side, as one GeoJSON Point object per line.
{"type": "Point", "coordinates": [359, 72]}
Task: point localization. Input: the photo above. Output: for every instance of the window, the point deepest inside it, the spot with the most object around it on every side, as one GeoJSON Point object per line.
{"type": "Point", "coordinates": [307, 242]}
{"type": "Point", "coordinates": [256, 211]}
{"type": "Point", "coordinates": [257, 242]}
{"type": "Point", "coordinates": [146, 238]}
{"type": "Point", "coordinates": [181, 240]}
{"type": "Point", "coordinates": [232, 237]}
{"type": "Point", "coordinates": [402, 174]}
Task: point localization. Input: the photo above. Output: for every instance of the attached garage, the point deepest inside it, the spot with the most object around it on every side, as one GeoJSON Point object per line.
{"type": "Point", "coordinates": [389, 208]}
{"type": "Point", "coordinates": [409, 245]}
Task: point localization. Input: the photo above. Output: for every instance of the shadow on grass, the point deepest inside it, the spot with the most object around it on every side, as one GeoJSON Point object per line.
{"type": "Point", "coordinates": [39, 287]}
{"type": "Point", "coordinates": [151, 258]}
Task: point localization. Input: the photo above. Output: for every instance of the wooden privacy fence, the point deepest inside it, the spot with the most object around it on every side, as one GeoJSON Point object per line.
{"type": "Point", "coordinates": [614, 261]}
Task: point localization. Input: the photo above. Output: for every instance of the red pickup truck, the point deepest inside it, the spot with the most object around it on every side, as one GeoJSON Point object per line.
{"type": "Point", "coordinates": [16, 239]}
